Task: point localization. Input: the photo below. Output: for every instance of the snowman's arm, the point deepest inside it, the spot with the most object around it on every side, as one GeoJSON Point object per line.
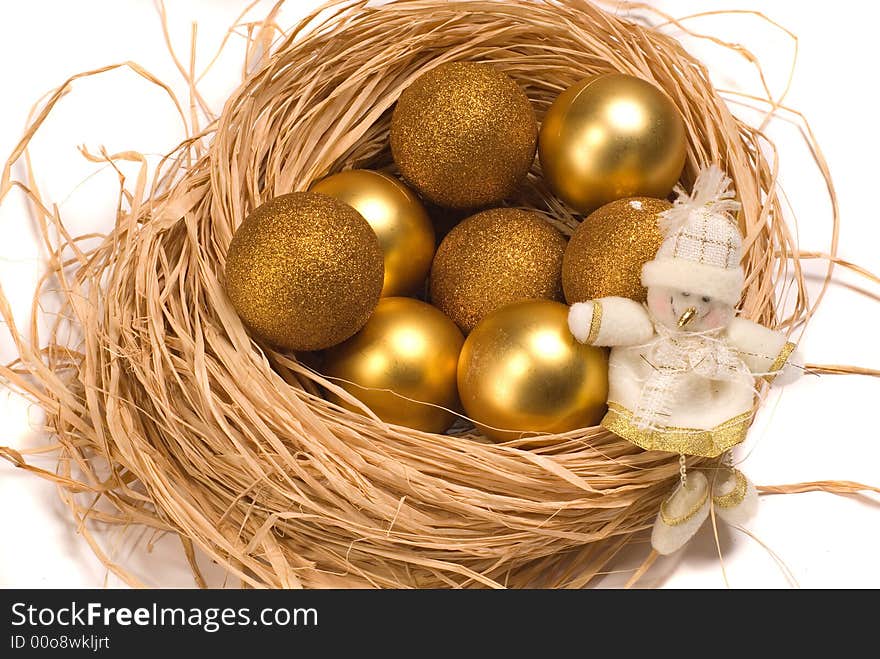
{"type": "Point", "coordinates": [610, 321]}
{"type": "Point", "coordinates": [765, 351]}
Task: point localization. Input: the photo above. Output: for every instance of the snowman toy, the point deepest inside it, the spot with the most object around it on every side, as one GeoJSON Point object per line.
{"type": "Point", "coordinates": [682, 367]}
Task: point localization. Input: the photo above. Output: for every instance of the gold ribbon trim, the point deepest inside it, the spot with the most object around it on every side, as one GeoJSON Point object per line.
{"type": "Point", "coordinates": [690, 441]}
{"type": "Point", "coordinates": [675, 521]}
{"type": "Point", "coordinates": [595, 323]}
{"type": "Point", "coordinates": [736, 495]}
{"type": "Point", "coordinates": [780, 360]}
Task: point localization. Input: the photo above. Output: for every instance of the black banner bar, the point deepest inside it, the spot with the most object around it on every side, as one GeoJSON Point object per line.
{"type": "Point", "coordinates": [115, 623]}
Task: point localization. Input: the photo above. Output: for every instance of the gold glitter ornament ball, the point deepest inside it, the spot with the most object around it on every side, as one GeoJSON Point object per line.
{"type": "Point", "coordinates": [404, 357]}
{"type": "Point", "coordinates": [606, 253]}
{"type": "Point", "coordinates": [464, 135]}
{"type": "Point", "coordinates": [493, 258]}
{"type": "Point", "coordinates": [521, 372]}
{"type": "Point", "coordinates": [609, 137]}
{"type": "Point", "coordinates": [397, 216]}
{"type": "Point", "coordinates": [304, 271]}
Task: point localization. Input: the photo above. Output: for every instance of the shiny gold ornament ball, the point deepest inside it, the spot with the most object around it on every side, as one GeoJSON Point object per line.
{"type": "Point", "coordinates": [397, 216]}
{"type": "Point", "coordinates": [304, 271]}
{"type": "Point", "coordinates": [521, 372]}
{"type": "Point", "coordinates": [407, 352]}
{"type": "Point", "coordinates": [606, 253]}
{"type": "Point", "coordinates": [609, 137]}
{"type": "Point", "coordinates": [464, 135]}
{"type": "Point", "coordinates": [493, 258]}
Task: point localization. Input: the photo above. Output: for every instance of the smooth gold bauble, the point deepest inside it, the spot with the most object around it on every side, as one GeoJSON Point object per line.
{"type": "Point", "coordinates": [609, 137]}
{"type": "Point", "coordinates": [493, 258]}
{"type": "Point", "coordinates": [605, 254]}
{"type": "Point", "coordinates": [464, 135]}
{"type": "Point", "coordinates": [521, 372]}
{"type": "Point", "coordinates": [304, 271]}
{"type": "Point", "coordinates": [397, 216]}
{"type": "Point", "coordinates": [406, 353]}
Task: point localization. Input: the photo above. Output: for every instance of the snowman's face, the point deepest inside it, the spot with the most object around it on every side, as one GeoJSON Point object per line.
{"type": "Point", "coordinates": [669, 305]}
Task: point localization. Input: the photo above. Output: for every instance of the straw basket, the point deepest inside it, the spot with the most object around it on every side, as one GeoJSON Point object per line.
{"type": "Point", "coordinates": [171, 416]}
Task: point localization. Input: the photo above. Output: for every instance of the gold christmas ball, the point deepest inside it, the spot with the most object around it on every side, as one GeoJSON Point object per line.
{"type": "Point", "coordinates": [304, 271]}
{"type": "Point", "coordinates": [404, 357]}
{"type": "Point", "coordinates": [397, 216]}
{"type": "Point", "coordinates": [521, 372]}
{"type": "Point", "coordinates": [493, 258]}
{"type": "Point", "coordinates": [606, 253]}
{"type": "Point", "coordinates": [464, 135]}
{"type": "Point", "coordinates": [609, 137]}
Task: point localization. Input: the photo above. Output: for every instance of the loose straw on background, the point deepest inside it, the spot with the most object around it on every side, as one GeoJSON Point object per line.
{"type": "Point", "coordinates": [167, 415]}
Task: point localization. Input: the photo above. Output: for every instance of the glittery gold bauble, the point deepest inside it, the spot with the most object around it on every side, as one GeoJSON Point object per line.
{"type": "Point", "coordinates": [609, 137]}
{"type": "Point", "coordinates": [407, 352]}
{"type": "Point", "coordinates": [606, 253]}
{"type": "Point", "coordinates": [522, 372]}
{"type": "Point", "coordinates": [464, 135]}
{"type": "Point", "coordinates": [398, 218]}
{"type": "Point", "coordinates": [493, 258]}
{"type": "Point", "coordinates": [304, 271]}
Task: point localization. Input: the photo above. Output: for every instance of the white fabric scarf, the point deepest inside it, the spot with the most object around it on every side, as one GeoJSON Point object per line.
{"type": "Point", "coordinates": [673, 354]}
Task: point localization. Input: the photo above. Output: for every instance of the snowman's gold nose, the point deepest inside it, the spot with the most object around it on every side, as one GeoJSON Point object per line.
{"type": "Point", "coordinates": [686, 317]}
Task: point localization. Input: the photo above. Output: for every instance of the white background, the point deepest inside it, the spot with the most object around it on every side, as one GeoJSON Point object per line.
{"type": "Point", "coordinates": [819, 428]}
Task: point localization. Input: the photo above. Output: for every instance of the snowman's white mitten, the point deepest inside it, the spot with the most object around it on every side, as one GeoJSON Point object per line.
{"type": "Point", "coordinates": [763, 350]}
{"type": "Point", "coordinates": [681, 515]}
{"type": "Point", "coordinates": [610, 321]}
{"type": "Point", "coordinates": [580, 316]}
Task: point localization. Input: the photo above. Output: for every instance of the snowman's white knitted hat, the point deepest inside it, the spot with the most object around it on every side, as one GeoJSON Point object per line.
{"type": "Point", "coordinates": [702, 248]}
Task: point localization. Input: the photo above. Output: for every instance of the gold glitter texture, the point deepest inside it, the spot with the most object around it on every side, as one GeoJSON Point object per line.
{"type": "Point", "coordinates": [670, 520]}
{"type": "Point", "coordinates": [595, 323]}
{"type": "Point", "coordinates": [780, 360]}
{"type": "Point", "coordinates": [464, 135]}
{"type": "Point", "coordinates": [736, 494]}
{"type": "Point", "coordinates": [304, 271]}
{"type": "Point", "coordinates": [608, 249]}
{"type": "Point", "coordinates": [493, 258]}
{"type": "Point", "coordinates": [690, 441]}
{"type": "Point", "coordinates": [611, 136]}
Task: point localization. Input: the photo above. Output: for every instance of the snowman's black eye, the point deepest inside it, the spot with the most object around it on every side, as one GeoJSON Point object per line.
{"type": "Point", "coordinates": [707, 299]}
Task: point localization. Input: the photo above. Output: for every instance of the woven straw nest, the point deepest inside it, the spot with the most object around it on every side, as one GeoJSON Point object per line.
{"type": "Point", "coordinates": [171, 415]}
